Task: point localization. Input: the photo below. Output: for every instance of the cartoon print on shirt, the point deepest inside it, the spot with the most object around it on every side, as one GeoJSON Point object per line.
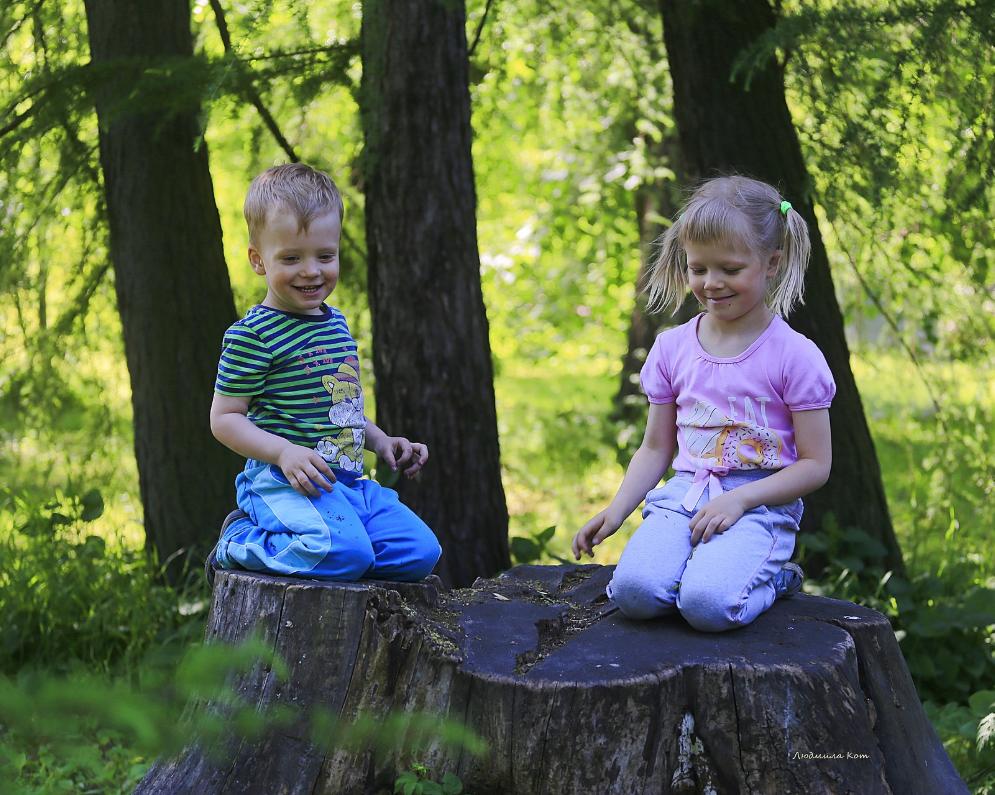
{"type": "Point", "coordinates": [724, 441]}
{"type": "Point", "coordinates": [344, 449]}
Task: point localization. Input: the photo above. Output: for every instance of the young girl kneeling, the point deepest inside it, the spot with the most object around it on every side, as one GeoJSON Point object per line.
{"type": "Point", "coordinates": [744, 399]}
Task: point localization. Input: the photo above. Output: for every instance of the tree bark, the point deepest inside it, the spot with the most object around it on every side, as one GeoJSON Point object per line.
{"type": "Point", "coordinates": [431, 352]}
{"type": "Point", "coordinates": [570, 697]}
{"type": "Point", "coordinates": [172, 283]}
{"type": "Point", "coordinates": [727, 126]}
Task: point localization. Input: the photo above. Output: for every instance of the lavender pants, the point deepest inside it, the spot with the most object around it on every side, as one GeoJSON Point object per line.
{"type": "Point", "coordinates": [719, 585]}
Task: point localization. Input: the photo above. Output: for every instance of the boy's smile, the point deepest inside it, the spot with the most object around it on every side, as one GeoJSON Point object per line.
{"type": "Point", "coordinates": [301, 267]}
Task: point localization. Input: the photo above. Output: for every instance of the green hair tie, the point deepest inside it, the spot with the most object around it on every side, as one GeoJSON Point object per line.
{"type": "Point", "coordinates": [785, 206]}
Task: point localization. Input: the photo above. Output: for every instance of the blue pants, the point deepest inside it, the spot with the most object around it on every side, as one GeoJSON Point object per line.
{"type": "Point", "coordinates": [719, 585]}
{"type": "Point", "coordinates": [358, 530]}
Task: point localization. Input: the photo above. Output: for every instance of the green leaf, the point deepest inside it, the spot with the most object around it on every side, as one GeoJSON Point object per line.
{"type": "Point", "coordinates": [525, 550]}
{"type": "Point", "coordinates": [93, 505]}
{"type": "Point", "coordinates": [544, 536]}
{"type": "Point", "coordinates": [407, 778]}
{"type": "Point", "coordinates": [982, 702]}
{"type": "Point", "coordinates": [94, 547]}
{"type": "Point", "coordinates": [968, 729]}
{"type": "Point", "coordinates": [451, 784]}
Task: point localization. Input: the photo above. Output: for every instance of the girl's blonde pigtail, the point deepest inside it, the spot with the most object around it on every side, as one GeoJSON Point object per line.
{"type": "Point", "coordinates": [795, 252]}
{"type": "Point", "coordinates": [666, 279]}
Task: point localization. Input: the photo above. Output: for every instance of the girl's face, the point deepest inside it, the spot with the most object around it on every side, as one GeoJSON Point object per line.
{"type": "Point", "coordinates": [730, 282]}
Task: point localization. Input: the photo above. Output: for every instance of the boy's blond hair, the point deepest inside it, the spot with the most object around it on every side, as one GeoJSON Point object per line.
{"type": "Point", "coordinates": [305, 191]}
{"type": "Point", "coordinates": [738, 211]}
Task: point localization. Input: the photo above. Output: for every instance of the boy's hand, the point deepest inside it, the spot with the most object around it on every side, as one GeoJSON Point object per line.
{"type": "Point", "coordinates": [593, 533]}
{"type": "Point", "coordinates": [399, 453]}
{"type": "Point", "coordinates": [303, 468]}
{"type": "Point", "coordinates": [716, 517]}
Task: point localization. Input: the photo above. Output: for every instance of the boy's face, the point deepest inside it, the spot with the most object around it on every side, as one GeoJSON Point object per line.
{"type": "Point", "coordinates": [301, 268]}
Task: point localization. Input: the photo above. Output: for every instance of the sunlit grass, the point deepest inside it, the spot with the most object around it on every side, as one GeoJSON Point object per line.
{"type": "Point", "coordinates": [936, 465]}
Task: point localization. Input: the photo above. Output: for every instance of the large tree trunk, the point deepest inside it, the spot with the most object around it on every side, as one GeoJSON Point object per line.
{"type": "Point", "coordinates": [431, 352]}
{"type": "Point", "coordinates": [571, 698]}
{"type": "Point", "coordinates": [172, 283]}
{"type": "Point", "coordinates": [726, 127]}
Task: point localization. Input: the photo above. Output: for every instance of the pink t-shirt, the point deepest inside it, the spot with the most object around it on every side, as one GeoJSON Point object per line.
{"type": "Point", "coordinates": [735, 413]}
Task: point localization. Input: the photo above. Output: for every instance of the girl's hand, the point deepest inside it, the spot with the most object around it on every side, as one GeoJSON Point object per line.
{"type": "Point", "coordinates": [716, 517]}
{"type": "Point", "coordinates": [399, 453]}
{"type": "Point", "coordinates": [593, 533]}
{"type": "Point", "coordinates": [303, 468]}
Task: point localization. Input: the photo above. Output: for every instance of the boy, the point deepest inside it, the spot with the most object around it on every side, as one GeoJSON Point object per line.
{"type": "Point", "coordinates": [288, 398]}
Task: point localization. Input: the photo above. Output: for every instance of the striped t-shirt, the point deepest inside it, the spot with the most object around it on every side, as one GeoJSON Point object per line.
{"type": "Point", "coordinates": [301, 376]}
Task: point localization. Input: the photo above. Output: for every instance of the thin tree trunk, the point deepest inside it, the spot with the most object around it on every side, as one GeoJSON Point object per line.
{"type": "Point", "coordinates": [726, 126]}
{"type": "Point", "coordinates": [651, 201]}
{"type": "Point", "coordinates": [431, 352]}
{"type": "Point", "coordinates": [642, 326]}
{"type": "Point", "coordinates": [172, 283]}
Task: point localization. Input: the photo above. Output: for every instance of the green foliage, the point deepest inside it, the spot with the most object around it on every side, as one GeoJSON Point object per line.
{"type": "Point", "coordinates": [534, 547]}
{"type": "Point", "coordinates": [418, 781]}
{"type": "Point", "coordinates": [939, 481]}
{"type": "Point", "coordinates": [69, 592]}
{"type": "Point", "coordinates": [945, 626]}
{"type": "Point", "coordinates": [100, 734]}
{"type": "Point", "coordinates": [570, 107]}
{"type": "Point", "coordinates": [967, 734]}
{"type": "Point", "coordinates": [893, 105]}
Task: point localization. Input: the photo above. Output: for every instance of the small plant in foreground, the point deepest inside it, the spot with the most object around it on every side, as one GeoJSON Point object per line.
{"type": "Point", "coordinates": [418, 781]}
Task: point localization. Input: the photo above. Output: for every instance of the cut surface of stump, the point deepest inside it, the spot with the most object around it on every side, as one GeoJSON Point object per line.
{"type": "Point", "coordinates": [570, 696]}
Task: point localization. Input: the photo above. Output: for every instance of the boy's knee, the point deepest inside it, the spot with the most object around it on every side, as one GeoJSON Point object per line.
{"type": "Point", "coordinates": [424, 558]}
{"type": "Point", "coordinates": [639, 597]}
{"type": "Point", "coordinates": [353, 563]}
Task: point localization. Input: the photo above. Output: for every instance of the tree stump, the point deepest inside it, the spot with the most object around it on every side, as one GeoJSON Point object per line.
{"type": "Point", "coordinates": [571, 697]}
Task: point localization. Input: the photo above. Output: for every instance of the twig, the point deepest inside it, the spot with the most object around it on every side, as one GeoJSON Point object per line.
{"type": "Point", "coordinates": [480, 28]}
{"type": "Point", "coordinates": [267, 117]}
{"type": "Point", "coordinates": [875, 299]}
{"type": "Point", "coordinates": [293, 53]}
{"type": "Point", "coordinates": [250, 90]}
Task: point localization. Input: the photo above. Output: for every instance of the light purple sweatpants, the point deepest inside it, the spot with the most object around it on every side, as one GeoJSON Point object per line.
{"type": "Point", "coordinates": [719, 585]}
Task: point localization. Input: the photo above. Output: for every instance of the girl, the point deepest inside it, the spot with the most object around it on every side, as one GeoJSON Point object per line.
{"type": "Point", "coordinates": [745, 400]}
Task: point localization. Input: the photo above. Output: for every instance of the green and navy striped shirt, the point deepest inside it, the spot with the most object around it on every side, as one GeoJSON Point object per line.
{"type": "Point", "coordinates": [300, 374]}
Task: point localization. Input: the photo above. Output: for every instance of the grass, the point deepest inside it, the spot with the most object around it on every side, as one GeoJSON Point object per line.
{"type": "Point", "coordinates": [557, 469]}
{"type": "Point", "coordinates": [936, 465]}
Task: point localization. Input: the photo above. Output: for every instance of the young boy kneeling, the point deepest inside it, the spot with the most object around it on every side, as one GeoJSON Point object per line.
{"type": "Point", "coordinates": [288, 398]}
